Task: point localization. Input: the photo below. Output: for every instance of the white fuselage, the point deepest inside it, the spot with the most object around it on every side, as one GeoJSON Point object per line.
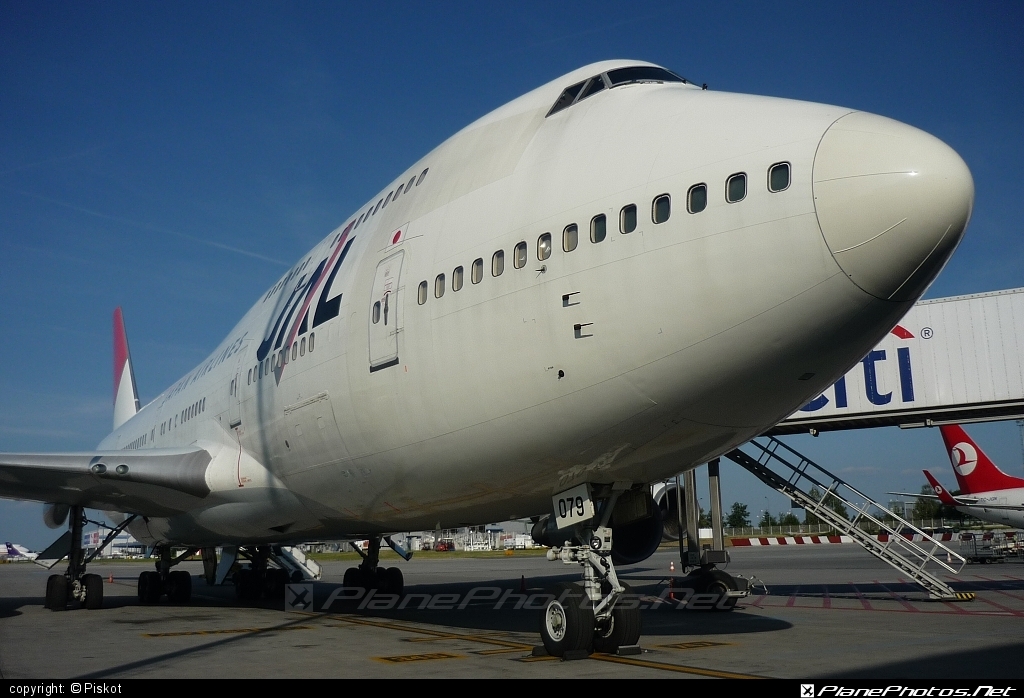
{"type": "Point", "coordinates": [998, 498]}
{"type": "Point", "coordinates": [628, 359]}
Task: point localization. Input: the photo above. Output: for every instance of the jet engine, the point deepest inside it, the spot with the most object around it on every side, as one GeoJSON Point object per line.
{"type": "Point", "coordinates": [664, 494]}
{"type": "Point", "coordinates": [54, 515]}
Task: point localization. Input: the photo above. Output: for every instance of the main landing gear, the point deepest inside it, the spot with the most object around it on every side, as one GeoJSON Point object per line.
{"type": "Point", "coordinates": [370, 575]}
{"type": "Point", "coordinates": [75, 584]}
{"type": "Point", "coordinates": [259, 579]}
{"type": "Point", "coordinates": [176, 585]}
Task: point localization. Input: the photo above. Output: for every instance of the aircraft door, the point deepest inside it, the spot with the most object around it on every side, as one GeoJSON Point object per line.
{"type": "Point", "coordinates": [385, 318]}
{"type": "Point", "coordinates": [235, 390]}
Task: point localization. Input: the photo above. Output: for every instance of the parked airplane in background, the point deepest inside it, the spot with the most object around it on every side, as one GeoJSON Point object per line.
{"type": "Point", "coordinates": [19, 552]}
{"type": "Point", "coordinates": [986, 492]}
{"type": "Point", "coordinates": [611, 279]}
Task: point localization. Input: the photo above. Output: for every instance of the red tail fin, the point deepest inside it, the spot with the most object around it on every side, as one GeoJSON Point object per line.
{"type": "Point", "coordinates": [939, 490]}
{"type": "Point", "coordinates": [974, 471]}
{"type": "Point", "coordinates": [126, 397]}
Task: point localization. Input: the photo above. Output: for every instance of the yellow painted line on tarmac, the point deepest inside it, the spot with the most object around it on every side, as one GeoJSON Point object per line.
{"type": "Point", "coordinates": [428, 656]}
{"type": "Point", "coordinates": [696, 645]}
{"type": "Point", "coordinates": [230, 631]}
{"type": "Point", "coordinates": [677, 668]}
{"type": "Point", "coordinates": [435, 634]}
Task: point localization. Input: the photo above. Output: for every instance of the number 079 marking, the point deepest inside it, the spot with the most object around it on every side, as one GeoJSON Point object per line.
{"type": "Point", "coordinates": [573, 506]}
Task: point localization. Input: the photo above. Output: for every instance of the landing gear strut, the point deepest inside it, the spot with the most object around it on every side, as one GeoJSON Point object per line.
{"type": "Point", "coordinates": [584, 617]}
{"type": "Point", "coordinates": [370, 575]}
{"type": "Point", "coordinates": [75, 584]}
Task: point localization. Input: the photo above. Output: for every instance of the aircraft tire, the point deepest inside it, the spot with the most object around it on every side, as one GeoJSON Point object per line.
{"type": "Point", "coordinates": [394, 581]}
{"type": "Point", "coordinates": [274, 583]}
{"type": "Point", "coordinates": [352, 578]}
{"type": "Point", "coordinates": [567, 622]}
{"type": "Point", "coordinates": [623, 628]}
{"type": "Point", "coordinates": [57, 592]}
{"type": "Point", "coordinates": [719, 582]}
{"type": "Point", "coordinates": [93, 584]}
{"type": "Point", "coordinates": [247, 585]}
{"type": "Point", "coordinates": [150, 587]}
{"type": "Point", "coordinates": [179, 587]}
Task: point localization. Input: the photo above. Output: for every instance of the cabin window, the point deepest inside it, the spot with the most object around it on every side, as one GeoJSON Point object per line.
{"type": "Point", "coordinates": [570, 237]}
{"type": "Point", "coordinates": [312, 336]}
{"type": "Point", "coordinates": [379, 202]}
{"type": "Point", "coordinates": [497, 263]}
{"type": "Point", "coordinates": [284, 356]}
{"type": "Point", "coordinates": [598, 228]}
{"type": "Point", "coordinates": [627, 219]}
{"type": "Point", "coordinates": [398, 192]}
{"type": "Point", "coordinates": [421, 293]}
{"type": "Point", "coordinates": [519, 255]}
{"type": "Point", "coordinates": [544, 246]}
{"type": "Point", "coordinates": [295, 350]}
{"type": "Point", "coordinates": [439, 286]}
{"type": "Point", "coordinates": [409, 184]}
{"type": "Point", "coordinates": [387, 199]}
{"type": "Point", "coordinates": [697, 198]}
{"type": "Point", "coordinates": [457, 279]}
{"type": "Point", "coordinates": [477, 272]}
{"type": "Point", "coordinates": [661, 209]}
{"type": "Point", "coordinates": [248, 381]}
{"type": "Point", "coordinates": [302, 347]}
{"type": "Point", "coordinates": [422, 175]}
{"type": "Point", "coordinates": [778, 177]}
{"type": "Point", "coordinates": [736, 187]}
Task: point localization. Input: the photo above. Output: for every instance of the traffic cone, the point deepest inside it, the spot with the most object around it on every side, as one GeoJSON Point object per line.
{"type": "Point", "coordinates": [522, 584]}
{"type": "Point", "coordinates": [110, 579]}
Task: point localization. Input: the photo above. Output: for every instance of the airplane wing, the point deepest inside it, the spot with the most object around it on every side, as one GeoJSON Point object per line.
{"type": "Point", "coordinates": [154, 482]}
{"type": "Point", "coordinates": [917, 495]}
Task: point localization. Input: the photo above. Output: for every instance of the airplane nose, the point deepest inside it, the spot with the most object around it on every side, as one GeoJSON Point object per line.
{"type": "Point", "coordinates": [892, 202]}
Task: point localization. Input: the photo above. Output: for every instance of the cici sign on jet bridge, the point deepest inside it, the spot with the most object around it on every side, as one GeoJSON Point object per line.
{"type": "Point", "coordinates": [949, 360]}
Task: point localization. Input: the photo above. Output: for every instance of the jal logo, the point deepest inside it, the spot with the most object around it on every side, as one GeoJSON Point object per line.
{"type": "Point", "coordinates": [870, 364]}
{"type": "Point", "coordinates": [964, 458]}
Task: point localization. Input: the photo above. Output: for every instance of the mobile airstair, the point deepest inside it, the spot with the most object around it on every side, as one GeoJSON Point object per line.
{"type": "Point", "coordinates": [295, 561]}
{"type": "Point", "coordinates": [898, 542]}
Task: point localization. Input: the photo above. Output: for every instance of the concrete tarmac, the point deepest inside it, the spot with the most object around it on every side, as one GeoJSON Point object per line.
{"type": "Point", "coordinates": [817, 612]}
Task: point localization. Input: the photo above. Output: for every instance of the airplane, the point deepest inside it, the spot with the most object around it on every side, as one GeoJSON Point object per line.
{"type": "Point", "coordinates": [19, 552]}
{"type": "Point", "coordinates": [986, 492]}
{"type": "Point", "coordinates": [611, 279]}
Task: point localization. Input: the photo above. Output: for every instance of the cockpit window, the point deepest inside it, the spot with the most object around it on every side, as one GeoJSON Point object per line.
{"type": "Point", "coordinates": [613, 78]}
{"type": "Point", "coordinates": [641, 73]}
{"type": "Point", "coordinates": [595, 85]}
{"type": "Point", "coordinates": [567, 97]}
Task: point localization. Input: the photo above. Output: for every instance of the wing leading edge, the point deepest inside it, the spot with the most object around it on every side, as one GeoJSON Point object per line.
{"type": "Point", "coordinates": [154, 482]}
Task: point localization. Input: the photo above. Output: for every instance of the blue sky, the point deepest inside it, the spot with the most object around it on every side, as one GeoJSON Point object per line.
{"type": "Point", "coordinates": [174, 158]}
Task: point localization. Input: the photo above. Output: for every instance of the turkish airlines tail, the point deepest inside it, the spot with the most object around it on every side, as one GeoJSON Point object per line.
{"type": "Point", "coordinates": [126, 397]}
{"type": "Point", "coordinates": [974, 471]}
{"type": "Point", "coordinates": [940, 491]}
